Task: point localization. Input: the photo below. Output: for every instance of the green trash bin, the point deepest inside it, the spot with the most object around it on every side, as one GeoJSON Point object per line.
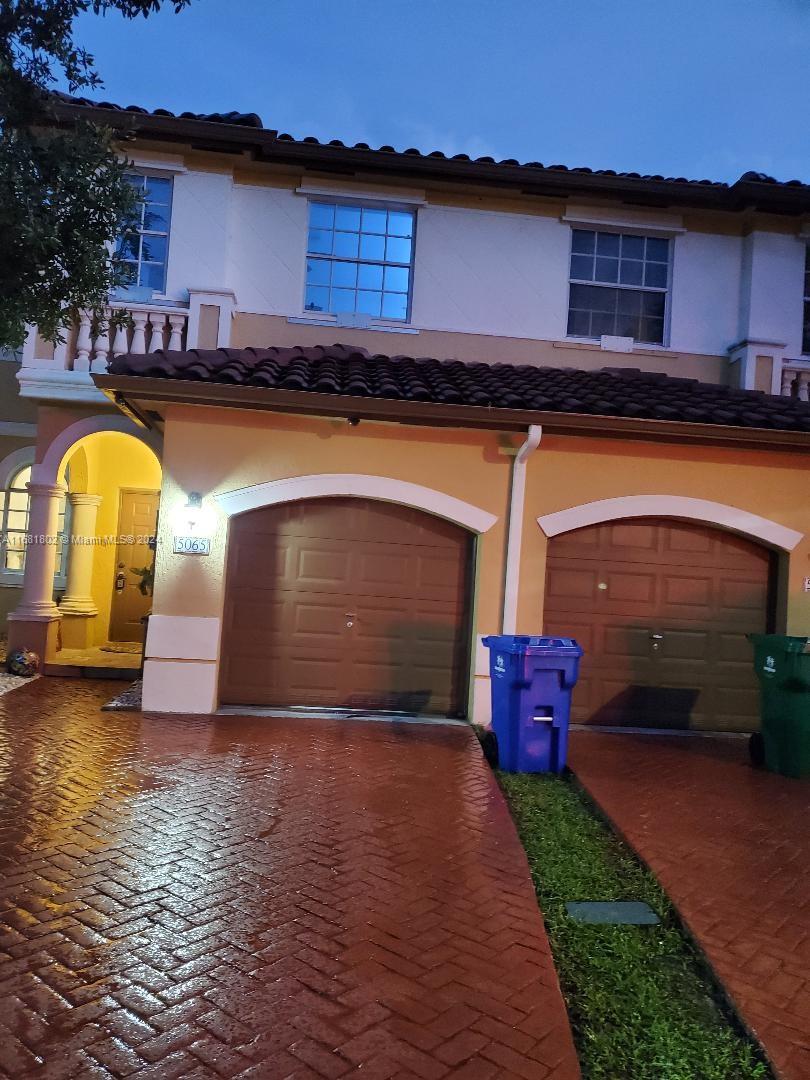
{"type": "Point", "coordinates": [782, 665]}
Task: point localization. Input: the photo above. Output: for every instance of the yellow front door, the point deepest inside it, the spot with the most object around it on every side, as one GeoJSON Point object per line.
{"type": "Point", "coordinates": [134, 560]}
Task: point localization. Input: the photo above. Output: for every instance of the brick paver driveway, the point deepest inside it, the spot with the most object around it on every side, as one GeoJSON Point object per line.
{"type": "Point", "coordinates": [731, 846]}
{"type": "Point", "coordinates": [259, 897]}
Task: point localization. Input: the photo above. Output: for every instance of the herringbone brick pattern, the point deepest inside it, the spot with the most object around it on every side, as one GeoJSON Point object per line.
{"type": "Point", "coordinates": [206, 897]}
{"type": "Point", "coordinates": [731, 846]}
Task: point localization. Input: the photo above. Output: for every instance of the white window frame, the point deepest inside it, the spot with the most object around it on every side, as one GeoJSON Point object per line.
{"type": "Point", "coordinates": [361, 203]}
{"type": "Point", "coordinates": [806, 303]}
{"type": "Point", "coordinates": [10, 469]}
{"type": "Point", "coordinates": [623, 230]}
{"type": "Point", "coordinates": [158, 174]}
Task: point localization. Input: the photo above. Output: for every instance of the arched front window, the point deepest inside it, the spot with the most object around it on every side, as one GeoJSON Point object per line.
{"type": "Point", "coordinates": [16, 506]}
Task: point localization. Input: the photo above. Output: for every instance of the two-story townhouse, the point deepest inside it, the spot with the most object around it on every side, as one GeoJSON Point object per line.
{"type": "Point", "coordinates": [604, 432]}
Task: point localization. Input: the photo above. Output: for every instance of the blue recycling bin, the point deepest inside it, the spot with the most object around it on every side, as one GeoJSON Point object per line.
{"type": "Point", "coordinates": [532, 679]}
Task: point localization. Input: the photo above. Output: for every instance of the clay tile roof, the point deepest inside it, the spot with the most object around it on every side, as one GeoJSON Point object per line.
{"type": "Point", "coordinates": [252, 120]}
{"type": "Point", "coordinates": [352, 372]}
{"type": "Point", "coordinates": [752, 188]}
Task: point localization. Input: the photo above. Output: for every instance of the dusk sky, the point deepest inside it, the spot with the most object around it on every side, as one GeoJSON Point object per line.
{"type": "Point", "coordinates": [696, 88]}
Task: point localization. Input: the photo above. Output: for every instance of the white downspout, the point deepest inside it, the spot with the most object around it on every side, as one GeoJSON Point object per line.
{"type": "Point", "coordinates": [517, 498]}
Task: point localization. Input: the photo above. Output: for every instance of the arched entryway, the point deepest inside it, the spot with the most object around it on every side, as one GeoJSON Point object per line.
{"type": "Point", "coordinates": [662, 608]}
{"type": "Point", "coordinates": [347, 603]}
{"type": "Point", "coordinates": [91, 508]}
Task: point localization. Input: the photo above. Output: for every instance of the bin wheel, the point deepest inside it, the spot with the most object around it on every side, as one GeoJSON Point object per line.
{"type": "Point", "coordinates": [756, 750]}
{"type": "Point", "coordinates": [489, 745]}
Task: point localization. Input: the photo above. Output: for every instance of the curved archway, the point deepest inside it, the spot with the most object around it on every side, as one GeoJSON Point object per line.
{"type": "Point", "coordinates": [13, 462]}
{"type": "Point", "coordinates": [47, 471]}
{"type": "Point", "coordinates": [386, 489]}
{"type": "Point", "coordinates": [672, 506]}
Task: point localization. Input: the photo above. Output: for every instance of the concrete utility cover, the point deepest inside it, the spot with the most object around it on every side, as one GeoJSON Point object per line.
{"type": "Point", "coordinates": [617, 913]}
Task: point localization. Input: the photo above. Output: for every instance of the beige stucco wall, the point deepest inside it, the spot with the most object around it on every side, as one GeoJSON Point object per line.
{"type": "Point", "coordinates": [567, 472]}
{"type": "Point", "coordinates": [261, 331]}
{"type": "Point", "coordinates": [216, 451]}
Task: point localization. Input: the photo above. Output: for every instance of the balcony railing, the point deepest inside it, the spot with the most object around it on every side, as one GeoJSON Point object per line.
{"type": "Point", "coordinates": [796, 379]}
{"type": "Point", "coordinates": [89, 345]}
{"type": "Point", "coordinates": [63, 372]}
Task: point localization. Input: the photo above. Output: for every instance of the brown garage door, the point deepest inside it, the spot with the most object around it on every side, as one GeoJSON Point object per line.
{"type": "Point", "coordinates": [347, 603]}
{"type": "Point", "coordinates": [662, 609]}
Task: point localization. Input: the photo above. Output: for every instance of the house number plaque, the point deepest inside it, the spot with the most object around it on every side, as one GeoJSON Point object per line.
{"type": "Point", "coordinates": [192, 545]}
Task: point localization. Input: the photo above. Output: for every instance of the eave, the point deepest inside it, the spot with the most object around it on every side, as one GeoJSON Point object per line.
{"type": "Point", "coordinates": [139, 397]}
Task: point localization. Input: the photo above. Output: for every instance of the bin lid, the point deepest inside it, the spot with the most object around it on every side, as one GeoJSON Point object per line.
{"type": "Point", "coordinates": [781, 642]}
{"type": "Point", "coordinates": [526, 644]}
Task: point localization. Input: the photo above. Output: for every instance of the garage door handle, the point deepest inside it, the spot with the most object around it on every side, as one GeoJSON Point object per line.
{"type": "Point", "coordinates": [657, 637]}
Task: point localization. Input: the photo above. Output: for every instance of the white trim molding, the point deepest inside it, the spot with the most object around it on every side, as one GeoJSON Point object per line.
{"type": "Point", "coordinates": [18, 430]}
{"type": "Point", "coordinates": [672, 506]}
{"type": "Point", "coordinates": [13, 462]}
{"type": "Point", "coordinates": [48, 469]}
{"type": "Point", "coordinates": [385, 488]}
{"type": "Point", "coordinates": [182, 637]}
{"type": "Point", "coordinates": [353, 192]}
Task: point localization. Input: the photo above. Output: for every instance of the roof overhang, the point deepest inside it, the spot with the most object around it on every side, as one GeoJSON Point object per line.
{"type": "Point", "coordinates": [266, 145]}
{"type": "Point", "coordinates": [146, 400]}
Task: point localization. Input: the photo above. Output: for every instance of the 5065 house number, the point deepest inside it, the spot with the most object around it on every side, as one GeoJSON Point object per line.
{"type": "Point", "coordinates": [192, 545]}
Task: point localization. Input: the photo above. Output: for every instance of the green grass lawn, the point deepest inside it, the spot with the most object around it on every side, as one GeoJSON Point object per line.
{"type": "Point", "coordinates": [641, 1005]}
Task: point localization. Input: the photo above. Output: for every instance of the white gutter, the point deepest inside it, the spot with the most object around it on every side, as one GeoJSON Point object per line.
{"type": "Point", "coordinates": [517, 498]}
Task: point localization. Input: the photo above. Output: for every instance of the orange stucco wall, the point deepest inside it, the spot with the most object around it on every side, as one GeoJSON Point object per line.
{"type": "Point", "coordinates": [214, 451]}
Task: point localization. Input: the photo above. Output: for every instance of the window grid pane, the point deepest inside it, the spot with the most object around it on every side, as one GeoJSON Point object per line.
{"type": "Point", "coordinates": [145, 249]}
{"type": "Point", "coordinates": [618, 285]}
{"type": "Point", "coordinates": [359, 259]}
{"type": "Point", "coordinates": [15, 504]}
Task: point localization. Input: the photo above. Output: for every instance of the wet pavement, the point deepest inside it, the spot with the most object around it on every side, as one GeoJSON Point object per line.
{"type": "Point", "coordinates": [261, 897]}
{"type": "Point", "coordinates": [731, 846]}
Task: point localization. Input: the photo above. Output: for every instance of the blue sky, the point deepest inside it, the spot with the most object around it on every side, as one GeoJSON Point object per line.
{"type": "Point", "coordinates": [697, 88]}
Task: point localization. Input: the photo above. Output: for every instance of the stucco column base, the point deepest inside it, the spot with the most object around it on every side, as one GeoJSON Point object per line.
{"type": "Point", "coordinates": [39, 633]}
{"type": "Point", "coordinates": [77, 629]}
{"type": "Point", "coordinates": [78, 599]}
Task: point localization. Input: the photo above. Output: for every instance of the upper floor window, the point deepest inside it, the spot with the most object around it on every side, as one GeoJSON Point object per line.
{"type": "Point", "coordinates": [359, 259]}
{"type": "Point", "coordinates": [144, 249]}
{"type": "Point", "coordinates": [618, 286]}
{"type": "Point", "coordinates": [15, 508]}
{"type": "Point", "coordinates": [806, 326]}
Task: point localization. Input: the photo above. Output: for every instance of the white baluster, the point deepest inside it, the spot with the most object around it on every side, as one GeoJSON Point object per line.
{"type": "Point", "coordinates": [120, 342]}
{"type": "Point", "coordinates": [156, 322]}
{"type": "Point", "coordinates": [102, 350]}
{"type": "Point", "coordinates": [60, 351]}
{"type": "Point", "coordinates": [139, 333]}
{"type": "Point", "coordinates": [84, 343]}
{"type": "Point", "coordinates": [787, 382]}
{"type": "Point", "coordinates": [177, 323]}
{"type": "Point", "coordinates": [804, 378]}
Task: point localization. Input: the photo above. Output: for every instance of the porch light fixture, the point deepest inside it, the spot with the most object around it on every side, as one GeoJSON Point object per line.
{"type": "Point", "coordinates": [191, 514]}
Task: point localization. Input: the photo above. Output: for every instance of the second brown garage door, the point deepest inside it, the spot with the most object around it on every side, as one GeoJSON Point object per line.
{"type": "Point", "coordinates": [347, 603]}
{"type": "Point", "coordinates": [662, 609]}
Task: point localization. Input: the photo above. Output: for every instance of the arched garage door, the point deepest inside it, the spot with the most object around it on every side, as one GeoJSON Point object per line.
{"type": "Point", "coordinates": [347, 603]}
{"type": "Point", "coordinates": [661, 608]}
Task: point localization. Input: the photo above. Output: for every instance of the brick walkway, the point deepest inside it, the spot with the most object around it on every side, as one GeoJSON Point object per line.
{"type": "Point", "coordinates": [261, 897]}
{"type": "Point", "coordinates": [731, 846]}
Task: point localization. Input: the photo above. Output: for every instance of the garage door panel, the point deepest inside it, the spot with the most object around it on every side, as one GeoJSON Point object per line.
{"type": "Point", "coordinates": [625, 641]}
{"type": "Point", "coordinates": [630, 587]}
{"type": "Point", "coordinates": [572, 585]}
{"type": "Point", "coordinates": [709, 589]}
{"type": "Point", "coordinates": [743, 596]}
{"type": "Point", "coordinates": [298, 575]}
{"type": "Point", "coordinates": [638, 538]}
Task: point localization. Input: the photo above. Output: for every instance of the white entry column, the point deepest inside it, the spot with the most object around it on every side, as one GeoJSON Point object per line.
{"type": "Point", "coordinates": [33, 624]}
{"type": "Point", "coordinates": [78, 597]}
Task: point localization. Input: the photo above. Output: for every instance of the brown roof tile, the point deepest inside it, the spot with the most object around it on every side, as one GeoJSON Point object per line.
{"type": "Point", "coordinates": [348, 371]}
